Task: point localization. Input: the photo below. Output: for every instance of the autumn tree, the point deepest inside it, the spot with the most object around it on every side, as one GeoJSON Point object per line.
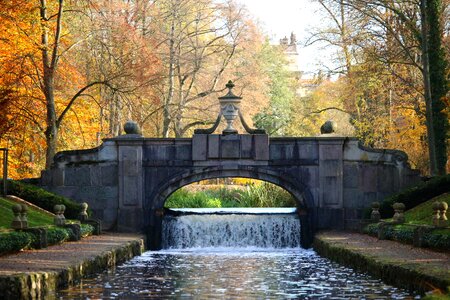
{"type": "Point", "coordinates": [276, 117]}
{"type": "Point", "coordinates": [392, 39]}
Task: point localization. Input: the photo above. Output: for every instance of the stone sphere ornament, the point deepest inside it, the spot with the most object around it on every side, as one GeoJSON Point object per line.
{"type": "Point", "coordinates": [328, 127]}
{"type": "Point", "coordinates": [131, 127]}
{"type": "Point", "coordinates": [399, 216]}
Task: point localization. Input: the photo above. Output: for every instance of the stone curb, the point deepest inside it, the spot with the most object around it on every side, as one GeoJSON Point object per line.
{"type": "Point", "coordinates": [401, 275]}
{"type": "Point", "coordinates": [39, 285]}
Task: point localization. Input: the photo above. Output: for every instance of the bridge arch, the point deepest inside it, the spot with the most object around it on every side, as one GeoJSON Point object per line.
{"type": "Point", "coordinates": [300, 192]}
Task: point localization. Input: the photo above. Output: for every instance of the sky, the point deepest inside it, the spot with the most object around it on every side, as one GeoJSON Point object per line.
{"type": "Point", "coordinates": [281, 17]}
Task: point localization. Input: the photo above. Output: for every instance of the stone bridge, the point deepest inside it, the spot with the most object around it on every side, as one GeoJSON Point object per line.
{"type": "Point", "coordinates": [128, 178]}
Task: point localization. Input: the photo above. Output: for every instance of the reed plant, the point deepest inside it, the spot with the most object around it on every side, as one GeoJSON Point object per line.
{"type": "Point", "coordinates": [252, 195]}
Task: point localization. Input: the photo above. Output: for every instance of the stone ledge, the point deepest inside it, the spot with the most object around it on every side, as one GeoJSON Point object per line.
{"type": "Point", "coordinates": [422, 274]}
{"type": "Point", "coordinates": [42, 284]}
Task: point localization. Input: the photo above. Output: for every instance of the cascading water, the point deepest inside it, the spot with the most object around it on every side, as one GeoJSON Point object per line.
{"type": "Point", "coordinates": [278, 230]}
{"type": "Point", "coordinates": [232, 254]}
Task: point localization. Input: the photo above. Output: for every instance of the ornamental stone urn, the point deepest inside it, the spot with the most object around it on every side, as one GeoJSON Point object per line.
{"type": "Point", "coordinates": [229, 105]}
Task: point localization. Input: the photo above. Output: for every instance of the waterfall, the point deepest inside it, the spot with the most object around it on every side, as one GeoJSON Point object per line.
{"type": "Point", "coordinates": [235, 229]}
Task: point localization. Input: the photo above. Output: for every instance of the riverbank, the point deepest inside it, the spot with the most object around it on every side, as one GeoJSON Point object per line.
{"type": "Point", "coordinates": [33, 274]}
{"type": "Point", "coordinates": [395, 263]}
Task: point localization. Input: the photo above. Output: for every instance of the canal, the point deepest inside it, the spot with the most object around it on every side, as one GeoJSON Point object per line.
{"type": "Point", "coordinates": [243, 254]}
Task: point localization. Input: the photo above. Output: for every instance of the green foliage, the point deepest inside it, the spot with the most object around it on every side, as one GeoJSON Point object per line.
{"type": "Point", "coordinates": [372, 229]}
{"type": "Point", "coordinates": [403, 233]}
{"type": "Point", "coordinates": [254, 195]}
{"type": "Point", "coordinates": [438, 239]}
{"type": "Point", "coordinates": [416, 195]}
{"type": "Point", "coordinates": [432, 237]}
{"type": "Point", "coordinates": [42, 198]}
{"type": "Point", "coordinates": [265, 195]}
{"type": "Point", "coordinates": [276, 116]}
{"type": "Point", "coordinates": [14, 241]}
{"type": "Point", "coordinates": [86, 230]}
{"type": "Point", "coordinates": [57, 235]}
{"type": "Point", "coordinates": [182, 198]}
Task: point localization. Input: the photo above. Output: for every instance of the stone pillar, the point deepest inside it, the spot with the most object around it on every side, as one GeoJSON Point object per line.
{"type": "Point", "coordinates": [130, 215]}
{"type": "Point", "coordinates": [330, 211]}
{"type": "Point", "coordinates": [331, 173]}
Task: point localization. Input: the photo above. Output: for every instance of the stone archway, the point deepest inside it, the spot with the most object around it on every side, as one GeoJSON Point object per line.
{"type": "Point", "coordinates": [300, 192]}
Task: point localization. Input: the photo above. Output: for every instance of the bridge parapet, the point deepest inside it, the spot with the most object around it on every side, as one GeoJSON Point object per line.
{"type": "Point", "coordinates": [122, 178]}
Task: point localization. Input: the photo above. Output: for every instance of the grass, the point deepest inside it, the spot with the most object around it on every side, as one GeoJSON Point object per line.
{"type": "Point", "coordinates": [35, 217]}
{"type": "Point", "coordinates": [254, 195]}
{"type": "Point", "coordinates": [422, 213]}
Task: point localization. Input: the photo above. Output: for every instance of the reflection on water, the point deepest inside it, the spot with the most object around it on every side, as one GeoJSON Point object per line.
{"type": "Point", "coordinates": [231, 273]}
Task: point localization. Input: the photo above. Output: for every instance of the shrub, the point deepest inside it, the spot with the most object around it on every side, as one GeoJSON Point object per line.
{"type": "Point", "coordinates": [372, 229]}
{"type": "Point", "coordinates": [403, 233]}
{"type": "Point", "coordinates": [42, 198]}
{"type": "Point", "coordinates": [14, 241]}
{"type": "Point", "coordinates": [86, 230]}
{"type": "Point", "coordinates": [439, 239]}
{"type": "Point", "coordinates": [57, 235]}
{"type": "Point", "coordinates": [415, 195]}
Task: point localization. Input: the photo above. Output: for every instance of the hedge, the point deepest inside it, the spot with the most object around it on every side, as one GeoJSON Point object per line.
{"type": "Point", "coordinates": [436, 238]}
{"type": "Point", "coordinates": [86, 230]}
{"type": "Point", "coordinates": [14, 241]}
{"type": "Point", "coordinates": [57, 235]}
{"type": "Point", "coordinates": [42, 198]}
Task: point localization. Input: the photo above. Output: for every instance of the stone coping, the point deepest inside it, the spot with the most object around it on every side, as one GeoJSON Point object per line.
{"type": "Point", "coordinates": [36, 274]}
{"type": "Point", "coordinates": [398, 264]}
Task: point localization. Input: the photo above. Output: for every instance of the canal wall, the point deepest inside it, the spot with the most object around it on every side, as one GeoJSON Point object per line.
{"type": "Point", "coordinates": [401, 265]}
{"type": "Point", "coordinates": [22, 278]}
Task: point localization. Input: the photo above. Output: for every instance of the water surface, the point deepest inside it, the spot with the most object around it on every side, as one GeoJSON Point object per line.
{"type": "Point", "coordinates": [227, 273]}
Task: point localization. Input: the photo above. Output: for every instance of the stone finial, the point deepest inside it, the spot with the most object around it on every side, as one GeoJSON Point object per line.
{"type": "Point", "coordinates": [83, 216]}
{"type": "Point", "coordinates": [328, 127]}
{"type": "Point", "coordinates": [443, 206]}
{"type": "Point", "coordinates": [17, 221]}
{"type": "Point", "coordinates": [59, 215]}
{"type": "Point", "coordinates": [23, 216]}
{"type": "Point", "coordinates": [131, 127]}
{"type": "Point", "coordinates": [375, 215]}
{"type": "Point", "coordinates": [399, 216]}
{"type": "Point", "coordinates": [56, 218]}
{"type": "Point", "coordinates": [63, 209]}
{"type": "Point", "coordinates": [436, 215]}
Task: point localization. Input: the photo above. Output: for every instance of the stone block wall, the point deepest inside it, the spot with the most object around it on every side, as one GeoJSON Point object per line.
{"type": "Point", "coordinates": [88, 176]}
{"type": "Point", "coordinates": [122, 178]}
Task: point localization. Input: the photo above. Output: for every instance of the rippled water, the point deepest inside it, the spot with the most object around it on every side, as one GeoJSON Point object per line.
{"type": "Point", "coordinates": [238, 254]}
{"type": "Point", "coordinates": [231, 273]}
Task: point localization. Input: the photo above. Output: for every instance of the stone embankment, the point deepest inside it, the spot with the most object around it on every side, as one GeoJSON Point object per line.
{"type": "Point", "coordinates": [36, 274]}
{"type": "Point", "coordinates": [398, 264]}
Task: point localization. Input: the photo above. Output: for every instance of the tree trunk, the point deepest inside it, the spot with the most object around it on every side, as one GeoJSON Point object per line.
{"type": "Point", "coordinates": [427, 90]}
{"type": "Point", "coordinates": [169, 99]}
{"type": "Point", "coordinates": [438, 82]}
{"type": "Point", "coordinates": [49, 62]}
